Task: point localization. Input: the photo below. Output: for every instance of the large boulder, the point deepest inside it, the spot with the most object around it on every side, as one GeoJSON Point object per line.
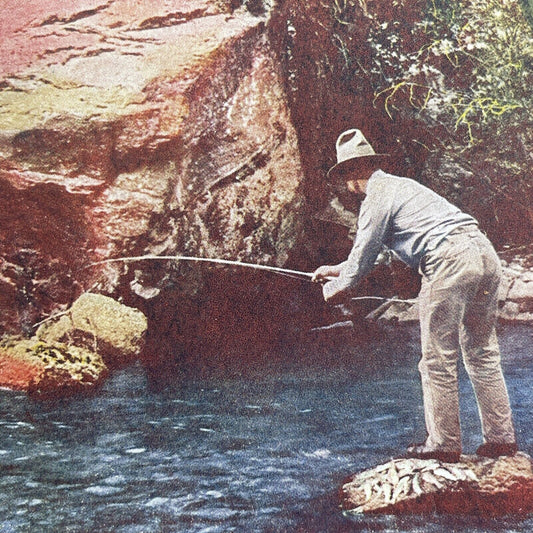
{"type": "Point", "coordinates": [73, 351]}
{"type": "Point", "coordinates": [99, 323]}
{"type": "Point", "coordinates": [132, 128]}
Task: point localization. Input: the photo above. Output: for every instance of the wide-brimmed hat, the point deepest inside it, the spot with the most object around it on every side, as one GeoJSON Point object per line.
{"type": "Point", "coordinates": [352, 150]}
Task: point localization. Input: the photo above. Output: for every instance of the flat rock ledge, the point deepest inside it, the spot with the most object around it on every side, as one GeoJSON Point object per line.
{"type": "Point", "coordinates": [73, 352]}
{"type": "Point", "coordinates": [474, 486]}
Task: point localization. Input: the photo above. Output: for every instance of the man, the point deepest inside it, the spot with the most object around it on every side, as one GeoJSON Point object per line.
{"type": "Point", "coordinates": [458, 300]}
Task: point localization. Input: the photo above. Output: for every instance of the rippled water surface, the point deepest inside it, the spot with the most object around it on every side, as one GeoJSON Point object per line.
{"type": "Point", "coordinates": [245, 453]}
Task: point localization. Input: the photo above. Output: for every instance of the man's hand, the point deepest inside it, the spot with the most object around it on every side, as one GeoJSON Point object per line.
{"type": "Point", "coordinates": [326, 272]}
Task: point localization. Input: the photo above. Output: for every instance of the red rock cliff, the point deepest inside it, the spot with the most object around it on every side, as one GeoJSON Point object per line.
{"type": "Point", "coordinates": [131, 128]}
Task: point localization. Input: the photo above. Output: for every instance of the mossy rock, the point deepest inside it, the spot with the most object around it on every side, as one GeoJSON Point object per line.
{"type": "Point", "coordinates": [60, 369]}
{"type": "Point", "coordinates": [102, 325]}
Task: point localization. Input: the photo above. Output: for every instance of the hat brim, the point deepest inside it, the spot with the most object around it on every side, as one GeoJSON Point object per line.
{"type": "Point", "coordinates": [350, 165]}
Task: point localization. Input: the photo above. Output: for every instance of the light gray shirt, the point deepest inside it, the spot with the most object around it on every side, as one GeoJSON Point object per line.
{"type": "Point", "coordinates": [400, 214]}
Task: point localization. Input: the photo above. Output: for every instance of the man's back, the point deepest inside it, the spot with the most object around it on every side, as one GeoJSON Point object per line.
{"type": "Point", "coordinates": [413, 218]}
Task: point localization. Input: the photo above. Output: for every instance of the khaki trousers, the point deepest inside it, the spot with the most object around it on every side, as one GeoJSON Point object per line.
{"type": "Point", "coordinates": [458, 311]}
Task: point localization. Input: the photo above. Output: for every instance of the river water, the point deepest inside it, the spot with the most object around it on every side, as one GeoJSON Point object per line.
{"type": "Point", "coordinates": [234, 453]}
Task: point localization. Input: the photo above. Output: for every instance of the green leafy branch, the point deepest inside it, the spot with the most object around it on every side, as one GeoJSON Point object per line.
{"type": "Point", "coordinates": [396, 90]}
{"type": "Point", "coordinates": [466, 109]}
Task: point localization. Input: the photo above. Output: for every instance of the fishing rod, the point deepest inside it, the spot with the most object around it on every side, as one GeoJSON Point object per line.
{"type": "Point", "coordinates": [392, 299]}
{"type": "Point", "coordinates": [268, 268]}
{"type": "Point", "coordinates": [276, 270]}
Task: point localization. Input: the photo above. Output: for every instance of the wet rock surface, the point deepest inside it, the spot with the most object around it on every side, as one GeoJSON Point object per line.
{"type": "Point", "coordinates": [49, 370]}
{"type": "Point", "coordinates": [102, 324]}
{"type": "Point", "coordinates": [475, 486]}
{"type": "Point", "coordinates": [517, 288]}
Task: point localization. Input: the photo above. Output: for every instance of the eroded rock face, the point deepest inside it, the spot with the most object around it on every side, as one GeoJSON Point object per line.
{"type": "Point", "coordinates": [132, 128]}
{"type": "Point", "coordinates": [479, 486]}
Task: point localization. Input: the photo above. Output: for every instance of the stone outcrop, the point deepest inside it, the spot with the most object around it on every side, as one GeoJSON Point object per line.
{"type": "Point", "coordinates": [515, 296]}
{"type": "Point", "coordinates": [476, 486]}
{"type": "Point", "coordinates": [517, 288]}
{"type": "Point", "coordinates": [74, 351]}
{"type": "Point", "coordinates": [139, 128]}
{"type": "Point", "coordinates": [49, 370]}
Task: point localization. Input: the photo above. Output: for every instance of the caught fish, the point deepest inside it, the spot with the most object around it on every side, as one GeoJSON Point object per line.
{"type": "Point", "coordinates": [417, 489]}
{"type": "Point", "coordinates": [460, 473]}
{"type": "Point", "coordinates": [403, 486]}
{"type": "Point", "coordinates": [393, 474]}
{"type": "Point", "coordinates": [405, 468]}
{"type": "Point", "coordinates": [381, 468]}
{"type": "Point", "coordinates": [367, 489]}
{"type": "Point", "coordinates": [387, 492]}
{"type": "Point", "coordinates": [429, 478]}
{"type": "Point", "coordinates": [471, 475]}
{"type": "Point", "coordinates": [446, 474]}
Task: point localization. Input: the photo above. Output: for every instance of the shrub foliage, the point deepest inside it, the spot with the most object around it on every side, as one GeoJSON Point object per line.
{"type": "Point", "coordinates": [460, 74]}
